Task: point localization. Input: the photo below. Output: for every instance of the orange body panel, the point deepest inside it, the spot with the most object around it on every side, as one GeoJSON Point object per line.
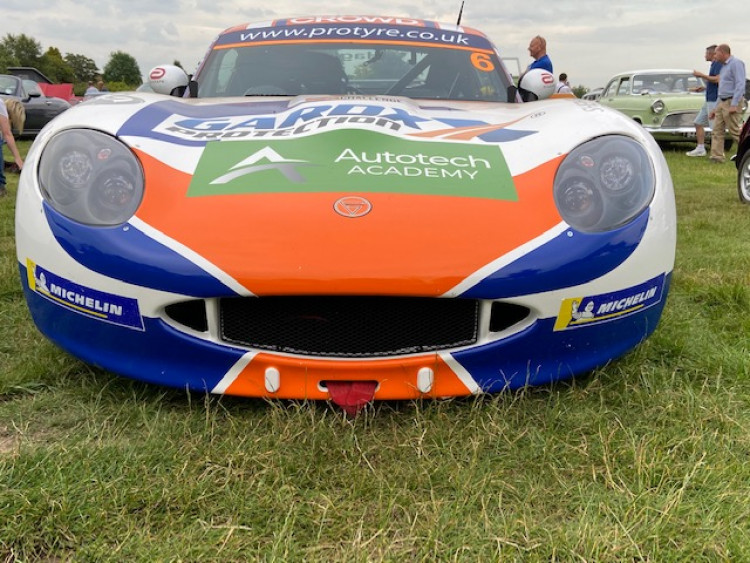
{"type": "Point", "coordinates": [397, 378]}
{"type": "Point", "coordinates": [407, 245]}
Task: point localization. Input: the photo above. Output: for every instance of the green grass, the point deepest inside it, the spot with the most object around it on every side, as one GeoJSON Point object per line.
{"type": "Point", "coordinates": [646, 459]}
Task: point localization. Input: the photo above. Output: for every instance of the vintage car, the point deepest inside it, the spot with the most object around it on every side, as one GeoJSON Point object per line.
{"type": "Point", "coordinates": [593, 95]}
{"type": "Point", "coordinates": [40, 109]}
{"type": "Point", "coordinates": [665, 101]}
{"type": "Point", "coordinates": [346, 208]}
{"type": "Point", "coordinates": [742, 161]}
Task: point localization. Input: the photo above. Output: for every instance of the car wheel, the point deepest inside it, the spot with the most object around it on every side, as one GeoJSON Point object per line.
{"type": "Point", "coordinates": [743, 178]}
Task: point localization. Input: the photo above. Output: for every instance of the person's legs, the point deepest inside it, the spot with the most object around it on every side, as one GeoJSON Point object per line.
{"type": "Point", "coordinates": [717, 133]}
{"type": "Point", "coordinates": [734, 124]}
{"type": "Point", "coordinates": [701, 122]}
{"type": "Point", "coordinates": [2, 169]}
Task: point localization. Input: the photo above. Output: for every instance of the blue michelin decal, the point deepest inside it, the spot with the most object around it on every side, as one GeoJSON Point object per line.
{"type": "Point", "coordinates": [597, 309]}
{"type": "Point", "coordinates": [107, 307]}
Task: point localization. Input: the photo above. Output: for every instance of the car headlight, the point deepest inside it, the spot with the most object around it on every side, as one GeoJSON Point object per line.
{"type": "Point", "coordinates": [657, 106]}
{"type": "Point", "coordinates": [91, 177]}
{"type": "Point", "coordinates": [604, 183]}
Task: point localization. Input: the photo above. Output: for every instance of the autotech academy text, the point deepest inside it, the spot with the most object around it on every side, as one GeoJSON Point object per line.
{"type": "Point", "coordinates": [428, 166]}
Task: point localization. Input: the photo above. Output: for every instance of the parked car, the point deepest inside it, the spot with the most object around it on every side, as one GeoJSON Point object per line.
{"type": "Point", "coordinates": [40, 109]}
{"type": "Point", "coordinates": [593, 95]}
{"type": "Point", "coordinates": [742, 161]}
{"type": "Point", "coordinates": [350, 208]}
{"type": "Point", "coordinates": [665, 101]}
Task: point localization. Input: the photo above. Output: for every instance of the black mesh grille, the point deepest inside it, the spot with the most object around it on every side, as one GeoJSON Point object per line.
{"type": "Point", "coordinates": [349, 326]}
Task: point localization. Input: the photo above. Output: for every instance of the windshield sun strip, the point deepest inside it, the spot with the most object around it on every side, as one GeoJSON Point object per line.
{"type": "Point", "coordinates": [355, 42]}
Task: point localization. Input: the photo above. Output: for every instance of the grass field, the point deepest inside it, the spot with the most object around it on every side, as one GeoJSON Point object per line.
{"type": "Point", "coordinates": [645, 460]}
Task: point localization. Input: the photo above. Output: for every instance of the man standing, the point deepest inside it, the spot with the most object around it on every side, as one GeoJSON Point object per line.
{"type": "Point", "coordinates": [563, 86]}
{"type": "Point", "coordinates": [538, 52]}
{"type": "Point", "coordinates": [728, 111]}
{"type": "Point", "coordinates": [712, 93]}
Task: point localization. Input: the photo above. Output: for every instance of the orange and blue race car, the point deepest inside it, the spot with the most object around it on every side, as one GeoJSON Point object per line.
{"type": "Point", "coordinates": [346, 208]}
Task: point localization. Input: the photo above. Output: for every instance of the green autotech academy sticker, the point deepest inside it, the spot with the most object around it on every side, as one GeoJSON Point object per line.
{"type": "Point", "coordinates": [354, 161]}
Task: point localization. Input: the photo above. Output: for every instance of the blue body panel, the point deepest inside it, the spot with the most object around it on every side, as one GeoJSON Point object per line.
{"type": "Point", "coordinates": [168, 357]}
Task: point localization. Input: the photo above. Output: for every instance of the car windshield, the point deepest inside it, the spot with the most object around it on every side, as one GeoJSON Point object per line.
{"type": "Point", "coordinates": [32, 88]}
{"type": "Point", "coordinates": [357, 67]}
{"type": "Point", "coordinates": [7, 85]}
{"type": "Point", "coordinates": [665, 83]}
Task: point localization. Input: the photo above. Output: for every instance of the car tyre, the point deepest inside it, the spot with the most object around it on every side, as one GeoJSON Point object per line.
{"type": "Point", "coordinates": [743, 178]}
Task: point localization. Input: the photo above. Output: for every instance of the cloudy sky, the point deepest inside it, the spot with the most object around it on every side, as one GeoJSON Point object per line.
{"type": "Point", "coordinates": [590, 40]}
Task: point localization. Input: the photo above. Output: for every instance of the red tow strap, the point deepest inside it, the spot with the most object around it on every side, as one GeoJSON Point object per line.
{"type": "Point", "coordinates": [352, 396]}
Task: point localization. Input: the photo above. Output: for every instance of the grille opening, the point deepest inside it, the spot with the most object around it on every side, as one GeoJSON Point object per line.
{"type": "Point", "coordinates": [192, 314]}
{"type": "Point", "coordinates": [505, 315]}
{"type": "Point", "coordinates": [349, 326]}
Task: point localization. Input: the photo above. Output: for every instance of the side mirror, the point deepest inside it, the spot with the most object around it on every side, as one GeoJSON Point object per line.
{"type": "Point", "coordinates": [170, 80]}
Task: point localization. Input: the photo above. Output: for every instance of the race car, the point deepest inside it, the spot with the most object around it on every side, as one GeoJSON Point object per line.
{"type": "Point", "coordinates": [346, 208]}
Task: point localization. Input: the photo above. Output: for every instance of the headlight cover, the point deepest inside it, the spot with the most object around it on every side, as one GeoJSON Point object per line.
{"type": "Point", "coordinates": [604, 184]}
{"type": "Point", "coordinates": [657, 107]}
{"type": "Point", "coordinates": [91, 177]}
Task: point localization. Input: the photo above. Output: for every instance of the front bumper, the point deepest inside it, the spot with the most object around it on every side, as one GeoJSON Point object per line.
{"type": "Point", "coordinates": [156, 352]}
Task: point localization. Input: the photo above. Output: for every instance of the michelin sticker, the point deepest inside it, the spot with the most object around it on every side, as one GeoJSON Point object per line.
{"type": "Point", "coordinates": [597, 309]}
{"type": "Point", "coordinates": [100, 305]}
{"type": "Point", "coordinates": [356, 161]}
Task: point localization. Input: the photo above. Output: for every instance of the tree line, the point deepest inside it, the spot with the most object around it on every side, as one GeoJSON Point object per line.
{"type": "Point", "coordinates": [120, 73]}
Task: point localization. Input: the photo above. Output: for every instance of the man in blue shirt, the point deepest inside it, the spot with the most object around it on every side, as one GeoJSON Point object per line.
{"type": "Point", "coordinates": [712, 93]}
{"type": "Point", "coordinates": [538, 52]}
{"type": "Point", "coordinates": [728, 111]}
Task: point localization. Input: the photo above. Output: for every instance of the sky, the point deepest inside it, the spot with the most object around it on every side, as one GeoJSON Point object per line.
{"type": "Point", "coordinates": [589, 40]}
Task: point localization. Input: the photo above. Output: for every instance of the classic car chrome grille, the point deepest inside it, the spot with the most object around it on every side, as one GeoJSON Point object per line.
{"type": "Point", "coordinates": [347, 327]}
{"type": "Point", "coordinates": [684, 119]}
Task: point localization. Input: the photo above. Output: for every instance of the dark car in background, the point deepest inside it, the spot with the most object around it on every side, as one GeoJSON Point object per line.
{"type": "Point", "coordinates": [742, 161]}
{"type": "Point", "coordinates": [40, 109]}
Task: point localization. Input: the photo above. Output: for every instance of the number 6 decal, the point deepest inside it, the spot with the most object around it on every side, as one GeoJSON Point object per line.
{"type": "Point", "coordinates": [482, 62]}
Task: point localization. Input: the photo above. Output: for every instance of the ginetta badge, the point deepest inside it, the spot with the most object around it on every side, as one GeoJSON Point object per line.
{"type": "Point", "coordinates": [352, 206]}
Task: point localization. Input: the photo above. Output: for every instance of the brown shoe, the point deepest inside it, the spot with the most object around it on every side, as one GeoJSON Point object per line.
{"type": "Point", "coordinates": [717, 160]}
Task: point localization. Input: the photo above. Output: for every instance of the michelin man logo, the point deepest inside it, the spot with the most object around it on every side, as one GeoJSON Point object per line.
{"type": "Point", "coordinates": [587, 313]}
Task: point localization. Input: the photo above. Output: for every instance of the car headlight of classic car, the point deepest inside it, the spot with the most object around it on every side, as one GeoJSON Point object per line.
{"type": "Point", "coordinates": [91, 177]}
{"type": "Point", "coordinates": [658, 107]}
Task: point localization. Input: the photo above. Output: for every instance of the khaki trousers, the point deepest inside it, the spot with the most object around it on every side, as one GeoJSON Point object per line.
{"type": "Point", "coordinates": [725, 120]}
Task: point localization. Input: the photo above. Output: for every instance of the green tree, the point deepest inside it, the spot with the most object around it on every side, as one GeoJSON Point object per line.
{"type": "Point", "coordinates": [54, 66]}
{"type": "Point", "coordinates": [6, 59]}
{"type": "Point", "coordinates": [84, 68]}
{"type": "Point", "coordinates": [23, 50]}
{"type": "Point", "coordinates": [122, 68]}
{"type": "Point", "coordinates": [580, 90]}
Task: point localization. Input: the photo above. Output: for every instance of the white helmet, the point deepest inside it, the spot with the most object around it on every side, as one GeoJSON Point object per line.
{"type": "Point", "coordinates": [164, 79]}
{"type": "Point", "coordinates": [538, 82]}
